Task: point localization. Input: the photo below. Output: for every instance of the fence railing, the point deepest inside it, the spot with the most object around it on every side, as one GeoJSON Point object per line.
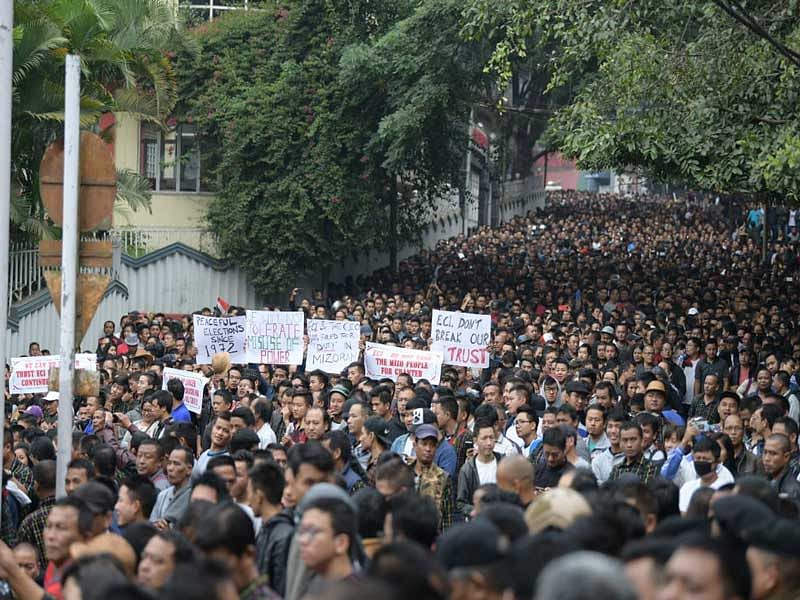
{"type": "Point", "coordinates": [26, 276]}
{"type": "Point", "coordinates": [139, 241]}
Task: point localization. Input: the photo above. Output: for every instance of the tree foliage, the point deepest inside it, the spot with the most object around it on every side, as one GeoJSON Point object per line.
{"type": "Point", "coordinates": [125, 48]}
{"type": "Point", "coordinates": [318, 116]}
{"type": "Point", "coordinates": [701, 92]}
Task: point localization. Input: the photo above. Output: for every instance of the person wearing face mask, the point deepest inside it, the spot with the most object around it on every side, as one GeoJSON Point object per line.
{"type": "Point", "coordinates": [708, 470]}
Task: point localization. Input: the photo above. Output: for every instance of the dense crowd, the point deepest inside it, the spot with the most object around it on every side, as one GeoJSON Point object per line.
{"type": "Point", "coordinates": [634, 436]}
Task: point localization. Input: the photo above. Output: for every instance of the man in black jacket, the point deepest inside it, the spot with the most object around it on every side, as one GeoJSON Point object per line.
{"type": "Point", "coordinates": [265, 489]}
{"type": "Point", "coordinates": [479, 469]}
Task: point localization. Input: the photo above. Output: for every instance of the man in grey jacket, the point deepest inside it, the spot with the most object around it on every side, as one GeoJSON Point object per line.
{"type": "Point", "coordinates": [173, 501]}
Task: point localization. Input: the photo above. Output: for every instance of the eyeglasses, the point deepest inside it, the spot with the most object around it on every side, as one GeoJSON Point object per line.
{"type": "Point", "coordinates": [308, 533]}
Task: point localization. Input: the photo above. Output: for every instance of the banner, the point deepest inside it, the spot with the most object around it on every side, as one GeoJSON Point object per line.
{"type": "Point", "coordinates": [30, 374]}
{"type": "Point", "coordinates": [332, 345]}
{"type": "Point", "coordinates": [390, 361]}
{"type": "Point", "coordinates": [219, 334]}
{"type": "Point", "coordinates": [274, 337]}
{"type": "Point", "coordinates": [462, 338]}
{"type": "Point", "coordinates": [193, 385]}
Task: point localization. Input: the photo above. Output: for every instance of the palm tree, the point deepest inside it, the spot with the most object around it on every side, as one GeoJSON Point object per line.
{"type": "Point", "coordinates": [127, 49]}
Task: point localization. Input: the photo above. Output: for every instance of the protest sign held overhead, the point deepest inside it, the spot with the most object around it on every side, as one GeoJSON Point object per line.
{"type": "Point", "coordinates": [332, 345]}
{"type": "Point", "coordinates": [219, 334]}
{"type": "Point", "coordinates": [390, 361]}
{"type": "Point", "coordinates": [193, 384]}
{"type": "Point", "coordinates": [462, 338]}
{"type": "Point", "coordinates": [30, 374]}
{"type": "Point", "coordinates": [274, 337]}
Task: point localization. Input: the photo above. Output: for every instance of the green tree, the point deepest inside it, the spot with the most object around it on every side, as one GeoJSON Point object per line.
{"type": "Point", "coordinates": [331, 125]}
{"type": "Point", "coordinates": [125, 48]}
{"type": "Point", "coordinates": [701, 92]}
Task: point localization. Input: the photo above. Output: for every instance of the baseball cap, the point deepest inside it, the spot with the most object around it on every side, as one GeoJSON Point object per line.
{"type": "Point", "coordinates": [607, 329]}
{"type": "Point", "coordinates": [378, 426]}
{"type": "Point", "coordinates": [426, 431]}
{"type": "Point", "coordinates": [340, 389]}
{"type": "Point", "coordinates": [693, 311]}
{"type": "Point", "coordinates": [51, 397]}
{"type": "Point", "coordinates": [35, 411]}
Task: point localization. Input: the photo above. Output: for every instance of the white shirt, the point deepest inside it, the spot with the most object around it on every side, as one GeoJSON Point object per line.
{"type": "Point", "coordinates": [266, 436]}
{"type": "Point", "coordinates": [688, 489]}
{"type": "Point", "coordinates": [487, 472]}
{"type": "Point", "coordinates": [505, 446]}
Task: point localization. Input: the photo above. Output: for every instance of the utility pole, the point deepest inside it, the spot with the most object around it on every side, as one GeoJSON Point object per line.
{"type": "Point", "coordinates": [69, 264]}
{"type": "Point", "coordinates": [6, 72]}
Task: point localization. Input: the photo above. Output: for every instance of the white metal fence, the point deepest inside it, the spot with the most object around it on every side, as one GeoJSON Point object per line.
{"type": "Point", "coordinates": [26, 277]}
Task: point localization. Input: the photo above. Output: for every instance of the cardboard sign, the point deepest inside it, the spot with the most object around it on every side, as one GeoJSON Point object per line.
{"type": "Point", "coordinates": [193, 385]}
{"type": "Point", "coordinates": [274, 337]}
{"type": "Point", "coordinates": [30, 374]}
{"type": "Point", "coordinates": [219, 334]}
{"type": "Point", "coordinates": [332, 345]}
{"type": "Point", "coordinates": [462, 338]}
{"type": "Point", "coordinates": [390, 361]}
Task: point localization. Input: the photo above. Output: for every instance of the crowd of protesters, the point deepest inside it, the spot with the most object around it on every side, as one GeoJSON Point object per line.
{"type": "Point", "coordinates": [634, 436]}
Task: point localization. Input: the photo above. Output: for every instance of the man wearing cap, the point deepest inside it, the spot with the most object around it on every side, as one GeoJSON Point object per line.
{"type": "Point", "coordinates": [774, 559]}
{"type": "Point", "coordinates": [655, 399]}
{"type": "Point", "coordinates": [577, 394]}
{"type": "Point", "coordinates": [375, 438]}
{"type": "Point", "coordinates": [336, 399]}
{"type": "Point", "coordinates": [50, 403]}
{"type": "Point", "coordinates": [431, 480]}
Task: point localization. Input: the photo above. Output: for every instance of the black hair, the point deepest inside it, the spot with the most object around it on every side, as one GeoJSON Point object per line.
{"type": "Point", "coordinates": [312, 453]}
{"type": "Point", "coordinates": [226, 396]}
{"type": "Point", "coordinates": [196, 580]}
{"type": "Point", "coordinates": [666, 495]}
{"type": "Point", "coordinates": [184, 552]}
{"type": "Point", "coordinates": [224, 460]}
{"type": "Point", "coordinates": [142, 490]}
{"type": "Point", "coordinates": [214, 482]}
{"type": "Point", "coordinates": [555, 436]}
{"type": "Point", "coordinates": [42, 448]}
{"type": "Point", "coordinates": [414, 517]}
{"type": "Point", "coordinates": [163, 399]}
{"type": "Point", "coordinates": [269, 479]}
{"type": "Point", "coordinates": [82, 463]}
{"type": "Point", "coordinates": [105, 460]}
{"type": "Point", "coordinates": [175, 387]}
{"type": "Point", "coordinates": [394, 469]}
{"type": "Point", "coordinates": [44, 474]}
{"type": "Point", "coordinates": [706, 444]}
{"type": "Point", "coordinates": [371, 509]}
{"type": "Point", "coordinates": [245, 414]}
{"type": "Point", "coordinates": [155, 443]}
{"type": "Point", "coordinates": [733, 569]}
{"type": "Point", "coordinates": [225, 526]}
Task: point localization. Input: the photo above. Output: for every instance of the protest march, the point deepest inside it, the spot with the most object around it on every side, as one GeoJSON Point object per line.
{"type": "Point", "coordinates": [598, 400]}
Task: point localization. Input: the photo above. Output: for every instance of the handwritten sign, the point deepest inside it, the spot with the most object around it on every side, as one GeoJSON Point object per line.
{"type": "Point", "coordinates": [219, 334]}
{"type": "Point", "coordinates": [30, 374]}
{"type": "Point", "coordinates": [332, 345]}
{"type": "Point", "coordinates": [193, 385]}
{"type": "Point", "coordinates": [274, 337]}
{"type": "Point", "coordinates": [462, 338]}
{"type": "Point", "coordinates": [390, 361]}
